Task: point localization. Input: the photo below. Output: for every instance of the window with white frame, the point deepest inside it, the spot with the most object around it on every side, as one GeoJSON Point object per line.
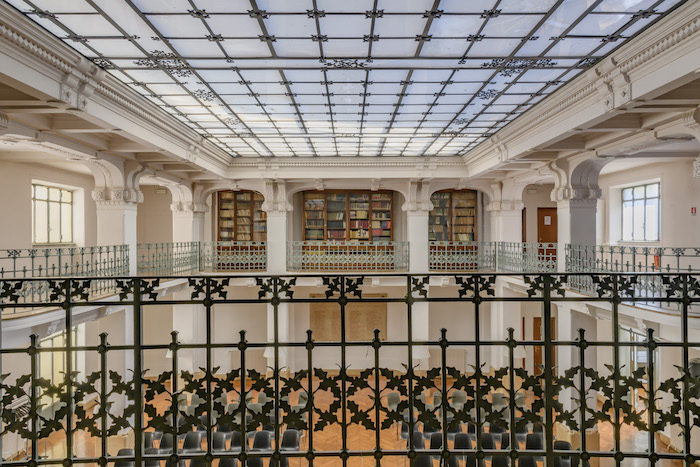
{"type": "Point", "coordinates": [640, 213]}
{"type": "Point", "coordinates": [52, 211]}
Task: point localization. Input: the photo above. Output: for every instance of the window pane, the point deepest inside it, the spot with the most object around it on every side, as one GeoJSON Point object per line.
{"type": "Point", "coordinates": [67, 196]}
{"type": "Point", "coordinates": [651, 226]}
{"type": "Point", "coordinates": [41, 226]}
{"type": "Point", "coordinates": [638, 228]}
{"type": "Point", "coordinates": [627, 194]}
{"type": "Point", "coordinates": [54, 194]}
{"type": "Point", "coordinates": [638, 192]}
{"type": "Point", "coordinates": [40, 192]}
{"type": "Point", "coordinates": [653, 190]}
{"type": "Point", "coordinates": [627, 217]}
{"type": "Point", "coordinates": [54, 223]}
{"type": "Point", "coordinates": [66, 223]}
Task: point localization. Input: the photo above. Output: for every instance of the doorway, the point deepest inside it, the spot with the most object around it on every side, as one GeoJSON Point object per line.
{"type": "Point", "coordinates": [537, 333]}
{"type": "Point", "coordinates": [547, 233]}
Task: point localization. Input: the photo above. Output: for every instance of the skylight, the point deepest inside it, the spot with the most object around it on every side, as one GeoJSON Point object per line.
{"type": "Point", "coordinates": [288, 78]}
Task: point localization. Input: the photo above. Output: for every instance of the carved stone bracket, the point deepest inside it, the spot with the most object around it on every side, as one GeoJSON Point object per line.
{"type": "Point", "coordinates": [418, 197]}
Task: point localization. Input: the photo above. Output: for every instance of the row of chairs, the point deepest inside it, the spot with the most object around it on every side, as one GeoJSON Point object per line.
{"type": "Point", "coordinates": [464, 441]}
{"type": "Point", "coordinates": [262, 441]}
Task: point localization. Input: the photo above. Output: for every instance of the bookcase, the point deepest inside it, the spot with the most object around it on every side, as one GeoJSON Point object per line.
{"type": "Point", "coordinates": [240, 217]}
{"type": "Point", "coordinates": [357, 216]}
{"type": "Point", "coordinates": [454, 216]}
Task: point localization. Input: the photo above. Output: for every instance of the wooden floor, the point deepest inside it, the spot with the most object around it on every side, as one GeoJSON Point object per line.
{"type": "Point", "coordinates": [358, 439]}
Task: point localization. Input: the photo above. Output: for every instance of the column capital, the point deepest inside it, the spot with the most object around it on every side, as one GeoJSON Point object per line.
{"type": "Point", "coordinates": [276, 198]}
{"type": "Point", "coordinates": [577, 195]}
{"type": "Point", "coordinates": [510, 205]}
{"type": "Point", "coordinates": [116, 197]}
{"type": "Point", "coordinates": [418, 199]}
{"type": "Point", "coordinates": [189, 208]}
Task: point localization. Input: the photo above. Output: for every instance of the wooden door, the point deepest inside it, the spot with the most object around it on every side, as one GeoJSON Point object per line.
{"type": "Point", "coordinates": [547, 225]}
{"type": "Point", "coordinates": [547, 233]}
{"type": "Point", "coordinates": [537, 333]}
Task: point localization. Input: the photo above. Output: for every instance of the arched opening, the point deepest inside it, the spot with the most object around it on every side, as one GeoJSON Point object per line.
{"type": "Point", "coordinates": [240, 217]}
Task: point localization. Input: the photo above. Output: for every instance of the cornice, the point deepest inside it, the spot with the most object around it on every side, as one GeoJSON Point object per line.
{"type": "Point", "coordinates": [81, 82]}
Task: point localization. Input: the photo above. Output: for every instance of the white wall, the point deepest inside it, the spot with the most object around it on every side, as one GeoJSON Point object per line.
{"type": "Point", "coordinates": [16, 207]}
{"type": "Point", "coordinates": [679, 192]}
{"type": "Point", "coordinates": [154, 219]}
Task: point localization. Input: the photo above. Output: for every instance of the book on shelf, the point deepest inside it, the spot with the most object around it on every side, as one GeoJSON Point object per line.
{"type": "Point", "coordinates": [226, 195]}
{"type": "Point", "coordinates": [226, 213]}
{"type": "Point", "coordinates": [381, 206]}
{"type": "Point", "coordinates": [243, 213]}
{"type": "Point", "coordinates": [359, 224]}
{"type": "Point", "coordinates": [336, 225]}
{"type": "Point", "coordinates": [336, 216]}
{"type": "Point", "coordinates": [359, 214]}
{"type": "Point", "coordinates": [336, 234]}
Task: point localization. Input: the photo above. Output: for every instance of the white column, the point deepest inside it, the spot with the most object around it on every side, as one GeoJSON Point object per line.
{"type": "Point", "coordinates": [576, 225]}
{"type": "Point", "coordinates": [190, 323]}
{"type": "Point", "coordinates": [504, 315]}
{"type": "Point", "coordinates": [282, 335]}
{"type": "Point", "coordinates": [188, 222]}
{"type": "Point", "coordinates": [506, 221]}
{"type": "Point", "coordinates": [116, 225]}
{"type": "Point", "coordinates": [417, 225]}
{"type": "Point", "coordinates": [565, 355]}
{"type": "Point", "coordinates": [277, 242]}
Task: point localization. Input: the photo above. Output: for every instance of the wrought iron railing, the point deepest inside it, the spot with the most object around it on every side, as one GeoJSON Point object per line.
{"type": "Point", "coordinates": [233, 256]}
{"type": "Point", "coordinates": [347, 256]}
{"type": "Point", "coordinates": [195, 257]}
{"type": "Point", "coordinates": [462, 256]}
{"type": "Point", "coordinates": [527, 257]}
{"type": "Point", "coordinates": [156, 259]}
{"type": "Point", "coordinates": [95, 261]}
{"type": "Point", "coordinates": [475, 398]}
{"type": "Point", "coordinates": [633, 259]}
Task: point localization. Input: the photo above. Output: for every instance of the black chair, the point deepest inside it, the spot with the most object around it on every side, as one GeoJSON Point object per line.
{"type": "Point", "coordinates": [562, 460]}
{"type": "Point", "coordinates": [462, 441]}
{"type": "Point", "coordinates": [521, 432]}
{"type": "Point", "coordinates": [261, 442]}
{"type": "Point", "coordinates": [218, 441]}
{"type": "Point", "coordinates": [290, 442]}
{"type": "Point", "coordinates": [151, 462]}
{"type": "Point", "coordinates": [167, 442]}
{"type": "Point", "coordinates": [193, 442]}
{"type": "Point", "coordinates": [236, 443]}
{"type": "Point", "coordinates": [436, 444]}
{"type": "Point", "coordinates": [487, 441]}
{"type": "Point", "coordinates": [527, 461]}
{"type": "Point", "coordinates": [505, 441]}
{"type": "Point", "coordinates": [418, 440]}
{"type": "Point", "coordinates": [534, 441]}
{"type": "Point", "coordinates": [228, 462]}
{"type": "Point", "coordinates": [423, 460]}
{"type": "Point", "coordinates": [429, 430]}
{"type": "Point", "coordinates": [500, 461]}
{"type": "Point", "coordinates": [125, 453]}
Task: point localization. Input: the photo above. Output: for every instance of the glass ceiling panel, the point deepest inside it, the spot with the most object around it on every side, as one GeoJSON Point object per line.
{"type": "Point", "coordinates": [270, 77]}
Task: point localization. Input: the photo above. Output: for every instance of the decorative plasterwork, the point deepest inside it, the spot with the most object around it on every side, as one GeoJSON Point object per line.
{"type": "Point", "coordinates": [509, 205]}
{"type": "Point", "coordinates": [696, 167]}
{"type": "Point", "coordinates": [188, 208]}
{"type": "Point", "coordinates": [116, 197]}
{"type": "Point", "coordinates": [4, 122]}
{"type": "Point", "coordinates": [276, 201]}
{"type": "Point", "coordinates": [418, 199]}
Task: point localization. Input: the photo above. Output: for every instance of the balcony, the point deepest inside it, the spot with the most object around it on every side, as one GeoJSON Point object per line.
{"type": "Point", "coordinates": [63, 262]}
{"type": "Point", "coordinates": [361, 397]}
{"type": "Point", "coordinates": [347, 256]}
{"type": "Point", "coordinates": [195, 257]}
